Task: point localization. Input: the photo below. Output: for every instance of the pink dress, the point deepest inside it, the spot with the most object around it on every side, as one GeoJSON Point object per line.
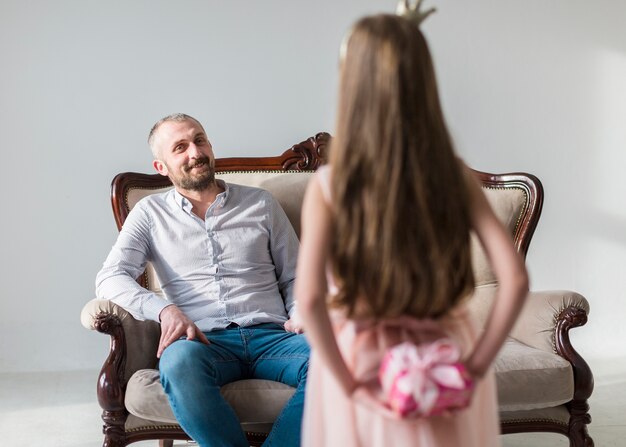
{"type": "Point", "coordinates": [331, 419]}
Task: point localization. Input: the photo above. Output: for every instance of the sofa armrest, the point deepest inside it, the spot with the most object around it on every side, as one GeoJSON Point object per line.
{"type": "Point", "coordinates": [133, 346]}
{"type": "Point", "coordinates": [140, 338]}
{"type": "Point", "coordinates": [539, 322]}
{"type": "Point", "coordinates": [96, 307]}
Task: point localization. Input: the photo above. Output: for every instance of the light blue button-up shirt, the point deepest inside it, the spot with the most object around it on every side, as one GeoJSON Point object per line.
{"type": "Point", "coordinates": [237, 265]}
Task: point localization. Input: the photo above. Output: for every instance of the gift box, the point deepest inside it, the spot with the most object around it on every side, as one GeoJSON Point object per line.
{"type": "Point", "coordinates": [425, 380]}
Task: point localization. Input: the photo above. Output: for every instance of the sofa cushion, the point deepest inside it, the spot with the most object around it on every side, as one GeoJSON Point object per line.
{"type": "Point", "coordinates": [256, 402]}
{"type": "Point", "coordinates": [529, 378]}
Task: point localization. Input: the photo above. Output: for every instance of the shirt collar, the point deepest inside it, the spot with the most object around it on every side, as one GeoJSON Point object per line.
{"type": "Point", "coordinates": [220, 199]}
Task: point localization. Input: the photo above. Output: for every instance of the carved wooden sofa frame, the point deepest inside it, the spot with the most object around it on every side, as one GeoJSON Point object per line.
{"type": "Point", "coordinates": [545, 323]}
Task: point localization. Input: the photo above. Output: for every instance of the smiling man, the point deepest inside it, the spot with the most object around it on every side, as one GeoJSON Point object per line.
{"type": "Point", "coordinates": [225, 256]}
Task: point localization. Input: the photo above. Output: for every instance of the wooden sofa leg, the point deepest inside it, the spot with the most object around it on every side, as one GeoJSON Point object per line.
{"type": "Point", "coordinates": [579, 419]}
{"type": "Point", "coordinates": [113, 428]}
{"type": "Point", "coordinates": [166, 443]}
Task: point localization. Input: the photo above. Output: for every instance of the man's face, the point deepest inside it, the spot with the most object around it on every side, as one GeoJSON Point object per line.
{"type": "Point", "coordinates": [185, 155]}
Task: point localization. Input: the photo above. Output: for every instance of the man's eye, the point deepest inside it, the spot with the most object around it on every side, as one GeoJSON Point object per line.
{"type": "Point", "coordinates": [179, 148]}
{"type": "Point", "coordinates": [200, 140]}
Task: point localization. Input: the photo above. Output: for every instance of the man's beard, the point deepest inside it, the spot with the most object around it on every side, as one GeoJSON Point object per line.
{"type": "Point", "coordinates": [198, 182]}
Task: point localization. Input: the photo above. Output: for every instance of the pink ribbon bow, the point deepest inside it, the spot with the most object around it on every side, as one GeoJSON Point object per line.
{"type": "Point", "coordinates": [412, 377]}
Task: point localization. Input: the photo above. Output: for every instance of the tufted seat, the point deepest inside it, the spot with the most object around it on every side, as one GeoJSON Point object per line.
{"type": "Point", "coordinates": [543, 384]}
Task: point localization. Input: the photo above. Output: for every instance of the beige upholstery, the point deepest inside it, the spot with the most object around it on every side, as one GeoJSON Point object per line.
{"type": "Point", "coordinates": [529, 378]}
{"type": "Point", "coordinates": [508, 205]}
{"type": "Point", "coordinates": [533, 381]}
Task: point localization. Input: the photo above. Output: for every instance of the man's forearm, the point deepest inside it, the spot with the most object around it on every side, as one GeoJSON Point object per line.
{"type": "Point", "coordinates": [123, 290]}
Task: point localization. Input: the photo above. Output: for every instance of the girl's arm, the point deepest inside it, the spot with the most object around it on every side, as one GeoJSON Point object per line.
{"type": "Point", "coordinates": [508, 266]}
{"type": "Point", "coordinates": [311, 287]}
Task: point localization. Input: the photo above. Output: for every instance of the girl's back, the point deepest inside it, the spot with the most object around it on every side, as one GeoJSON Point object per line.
{"type": "Point", "coordinates": [333, 419]}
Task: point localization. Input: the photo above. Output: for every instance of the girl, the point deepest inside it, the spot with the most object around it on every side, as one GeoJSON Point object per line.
{"type": "Point", "coordinates": [386, 236]}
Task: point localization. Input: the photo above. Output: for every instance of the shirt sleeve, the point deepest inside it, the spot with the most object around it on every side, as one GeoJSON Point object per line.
{"type": "Point", "coordinates": [284, 246]}
{"type": "Point", "coordinates": [116, 281]}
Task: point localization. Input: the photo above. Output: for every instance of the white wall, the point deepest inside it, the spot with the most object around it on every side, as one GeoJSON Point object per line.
{"type": "Point", "coordinates": [532, 86]}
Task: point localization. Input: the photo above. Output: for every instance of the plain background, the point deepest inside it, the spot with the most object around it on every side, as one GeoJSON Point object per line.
{"type": "Point", "coordinates": [526, 86]}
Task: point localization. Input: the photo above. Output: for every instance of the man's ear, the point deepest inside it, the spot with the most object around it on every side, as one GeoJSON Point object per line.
{"type": "Point", "coordinates": [160, 167]}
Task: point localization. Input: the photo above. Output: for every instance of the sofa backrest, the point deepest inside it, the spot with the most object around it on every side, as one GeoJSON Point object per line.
{"type": "Point", "coordinates": [515, 198]}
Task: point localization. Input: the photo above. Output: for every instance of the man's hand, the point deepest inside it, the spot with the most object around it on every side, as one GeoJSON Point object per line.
{"type": "Point", "coordinates": [294, 325]}
{"type": "Point", "coordinates": [174, 325]}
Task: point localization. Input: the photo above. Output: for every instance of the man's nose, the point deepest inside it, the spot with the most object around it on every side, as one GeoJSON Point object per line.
{"type": "Point", "coordinates": [193, 151]}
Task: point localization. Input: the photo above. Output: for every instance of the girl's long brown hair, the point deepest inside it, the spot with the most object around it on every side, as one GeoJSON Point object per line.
{"type": "Point", "coordinates": [400, 201]}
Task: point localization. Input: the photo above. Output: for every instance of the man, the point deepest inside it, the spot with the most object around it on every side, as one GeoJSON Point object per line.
{"type": "Point", "coordinates": [225, 256]}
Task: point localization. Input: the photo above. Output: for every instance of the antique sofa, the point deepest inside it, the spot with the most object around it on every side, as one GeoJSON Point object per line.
{"type": "Point", "coordinates": [543, 383]}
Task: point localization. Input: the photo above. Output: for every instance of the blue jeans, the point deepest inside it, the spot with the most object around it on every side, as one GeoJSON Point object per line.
{"type": "Point", "coordinates": [192, 374]}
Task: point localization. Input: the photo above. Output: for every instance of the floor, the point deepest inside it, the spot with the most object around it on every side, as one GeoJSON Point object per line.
{"type": "Point", "coordinates": [60, 410]}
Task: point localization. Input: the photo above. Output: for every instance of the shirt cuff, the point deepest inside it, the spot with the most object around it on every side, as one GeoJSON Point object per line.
{"type": "Point", "coordinates": [152, 308]}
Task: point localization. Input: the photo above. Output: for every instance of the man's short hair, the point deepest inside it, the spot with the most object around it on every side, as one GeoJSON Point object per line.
{"type": "Point", "coordinates": [177, 117]}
